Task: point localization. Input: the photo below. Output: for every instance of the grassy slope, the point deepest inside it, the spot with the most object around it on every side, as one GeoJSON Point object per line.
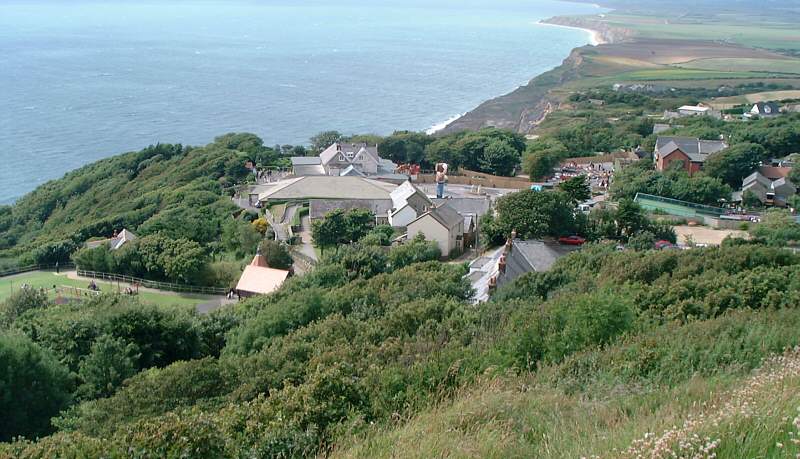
{"type": "Point", "coordinates": [608, 414]}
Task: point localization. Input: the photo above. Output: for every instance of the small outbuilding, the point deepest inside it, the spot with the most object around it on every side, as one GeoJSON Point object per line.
{"type": "Point", "coordinates": [260, 279]}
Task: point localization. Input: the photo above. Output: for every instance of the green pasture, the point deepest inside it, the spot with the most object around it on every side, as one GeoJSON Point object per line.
{"type": "Point", "coordinates": [791, 66]}
{"type": "Point", "coordinates": [46, 280]}
{"type": "Point", "coordinates": [745, 31]}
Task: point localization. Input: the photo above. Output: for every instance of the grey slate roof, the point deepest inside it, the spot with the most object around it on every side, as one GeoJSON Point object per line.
{"type": "Point", "coordinates": [319, 207]}
{"type": "Point", "coordinates": [697, 150]}
{"type": "Point", "coordinates": [475, 206]}
{"type": "Point", "coordinates": [326, 187]}
{"type": "Point", "coordinates": [311, 169]}
{"type": "Point", "coordinates": [445, 215]}
{"type": "Point", "coordinates": [339, 147]}
{"type": "Point", "coordinates": [767, 108]}
{"type": "Point", "coordinates": [527, 256]}
{"type": "Point", "coordinates": [305, 160]}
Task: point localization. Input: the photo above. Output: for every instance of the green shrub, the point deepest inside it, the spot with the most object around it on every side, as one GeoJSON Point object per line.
{"type": "Point", "coordinates": [33, 387]}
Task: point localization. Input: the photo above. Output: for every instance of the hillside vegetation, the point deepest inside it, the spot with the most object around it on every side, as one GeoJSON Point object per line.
{"type": "Point", "coordinates": [361, 356]}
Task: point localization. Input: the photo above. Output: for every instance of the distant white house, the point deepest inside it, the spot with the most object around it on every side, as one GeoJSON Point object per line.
{"type": "Point", "coordinates": [115, 242]}
{"type": "Point", "coordinates": [443, 225]}
{"type": "Point", "coordinates": [347, 159]}
{"type": "Point", "coordinates": [765, 109]}
{"type": "Point", "coordinates": [408, 203]}
{"type": "Point", "coordinates": [694, 110]}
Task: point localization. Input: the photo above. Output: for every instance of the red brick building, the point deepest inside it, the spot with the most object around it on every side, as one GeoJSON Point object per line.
{"type": "Point", "coordinates": [689, 153]}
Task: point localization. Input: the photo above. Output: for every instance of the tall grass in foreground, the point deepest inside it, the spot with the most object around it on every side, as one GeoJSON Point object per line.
{"type": "Point", "coordinates": [688, 391]}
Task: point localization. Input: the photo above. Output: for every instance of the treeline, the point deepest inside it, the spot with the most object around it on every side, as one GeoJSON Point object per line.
{"type": "Point", "coordinates": [347, 350]}
{"type": "Point", "coordinates": [175, 199]}
{"type": "Point", "coordinates": [538, 214]}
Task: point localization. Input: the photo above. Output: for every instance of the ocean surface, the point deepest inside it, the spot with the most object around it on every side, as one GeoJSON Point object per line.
{"type": "Point", "coordinates": [82, 80]}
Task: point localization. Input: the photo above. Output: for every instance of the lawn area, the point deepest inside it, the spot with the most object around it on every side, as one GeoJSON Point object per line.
{"type": "Point", "coordinates": [44, 279]}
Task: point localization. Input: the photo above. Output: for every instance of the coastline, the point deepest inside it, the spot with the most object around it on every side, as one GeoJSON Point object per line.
{"type": "Point", "coordinates": [595, 36]}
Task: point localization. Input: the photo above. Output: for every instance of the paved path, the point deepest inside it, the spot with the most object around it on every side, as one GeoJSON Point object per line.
{"type": "Point", "coordinates": [306, 246]}
{"type": "Point", "coordinates": [288, 215]}
{"type": "Point", "coordinates": [281, 233]}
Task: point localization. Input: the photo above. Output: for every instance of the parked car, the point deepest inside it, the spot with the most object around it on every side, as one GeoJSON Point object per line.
{"type": "Point", "coordinates": [662, 245]}
{"type": "Point", "coordinates": [571, 240]}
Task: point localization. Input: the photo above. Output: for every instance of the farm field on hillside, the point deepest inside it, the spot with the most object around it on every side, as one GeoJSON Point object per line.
{"type": "Point", "coordinates": [745, 64]}
{"type": "Point", "coordinates": [743, 31]}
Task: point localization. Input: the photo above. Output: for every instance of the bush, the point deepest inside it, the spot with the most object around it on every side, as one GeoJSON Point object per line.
{"type": "Point", "coordinates": [162, 334]}
{"type": "Point", "coordinates": [109, 363]}
{"type": "Point", "coordinates": [567, 325]}
{"type": "Point", "coordinates": [21, 301]}
{"type": "Point", "coordinates": [276, 255]}
{"type": "Point", "coordinates": [34, 387]}
{"type": "Point", "coordinates": [416, 251]}
{"type": "Point", "coordinates": [150, 393]}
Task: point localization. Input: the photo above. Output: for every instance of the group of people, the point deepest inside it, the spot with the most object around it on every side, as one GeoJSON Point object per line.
{"type": "Point", "coordinates": [232, 293]}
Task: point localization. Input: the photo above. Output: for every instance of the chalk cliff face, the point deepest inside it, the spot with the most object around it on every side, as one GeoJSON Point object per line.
{"type": "Point", "coordinates": [522, 109]}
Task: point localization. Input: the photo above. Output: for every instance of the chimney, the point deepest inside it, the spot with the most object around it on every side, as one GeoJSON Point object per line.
{"type": "Point", "coordinates": [259, 259]}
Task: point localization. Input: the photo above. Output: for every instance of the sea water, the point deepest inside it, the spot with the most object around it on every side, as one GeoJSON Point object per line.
{"type": "Point", "coordinates": [82, 80]}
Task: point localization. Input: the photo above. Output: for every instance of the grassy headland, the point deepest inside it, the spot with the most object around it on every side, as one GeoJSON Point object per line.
{"type": "Point", "coordinates": [678, 45]}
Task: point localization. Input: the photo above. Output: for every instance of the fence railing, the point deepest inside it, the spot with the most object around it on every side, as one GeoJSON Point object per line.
{"type": "Point", "coordinates": [153, 284]}
{"type": "Point", "coordinates": [700, 208]}
{"type": "Point", "coordinates": [29, 268]}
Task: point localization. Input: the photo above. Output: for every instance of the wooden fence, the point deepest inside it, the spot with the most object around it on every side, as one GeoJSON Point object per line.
{"type": "Point", "coordinates": [153, 284]}
{"type": "Point", "coordinates": [30, 268]}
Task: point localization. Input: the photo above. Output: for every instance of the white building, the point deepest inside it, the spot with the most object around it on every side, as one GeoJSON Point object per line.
{"type": "Point", "coordinates": [408, 203]}
{"type": "Point", "coordinates": [694, 110]}
{"type": "Point", "coordinates": [347, 159]}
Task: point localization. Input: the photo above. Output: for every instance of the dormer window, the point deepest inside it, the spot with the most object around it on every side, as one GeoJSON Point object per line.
{"type": "Point", "coordinates": [350, 154]}
{"type": "Point", "coordinates": [341, 158]}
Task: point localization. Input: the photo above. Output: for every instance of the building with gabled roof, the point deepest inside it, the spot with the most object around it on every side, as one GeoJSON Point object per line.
{"type": "Point", "coordinates": [260, 279]}
{"type": "Point", "coordinates": [408, 203]}
{"type": "Point", "coordinates": [325, 187]}
{"type": "Point", "coordinates": [115, 242]}
{"type": "Point", "coordinates": [689, 152]}
{"type": "Point", "coordinates": [348, 159]}
{"type": "Point", "coordinates": [769, 192]}
{"type": "Point", "coordinates": [443, 225]}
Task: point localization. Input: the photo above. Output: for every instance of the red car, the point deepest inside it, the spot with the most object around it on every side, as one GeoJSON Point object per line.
{"type": "Point", "coordinates": [662, 244]}
{"type": "Point", "coordinates": [571, 240]}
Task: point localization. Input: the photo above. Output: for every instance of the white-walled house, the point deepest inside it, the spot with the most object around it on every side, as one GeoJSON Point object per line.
{"type": "Point", "coordinates": [408, 203]}
{"type": "Point", "coordinates": [441, 224]}
{"type": "Point", "coordinates": [349, 159]}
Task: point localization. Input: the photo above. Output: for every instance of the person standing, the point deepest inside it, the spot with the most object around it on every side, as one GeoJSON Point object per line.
{"type": "Point", "coordinates": [441, 179]}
